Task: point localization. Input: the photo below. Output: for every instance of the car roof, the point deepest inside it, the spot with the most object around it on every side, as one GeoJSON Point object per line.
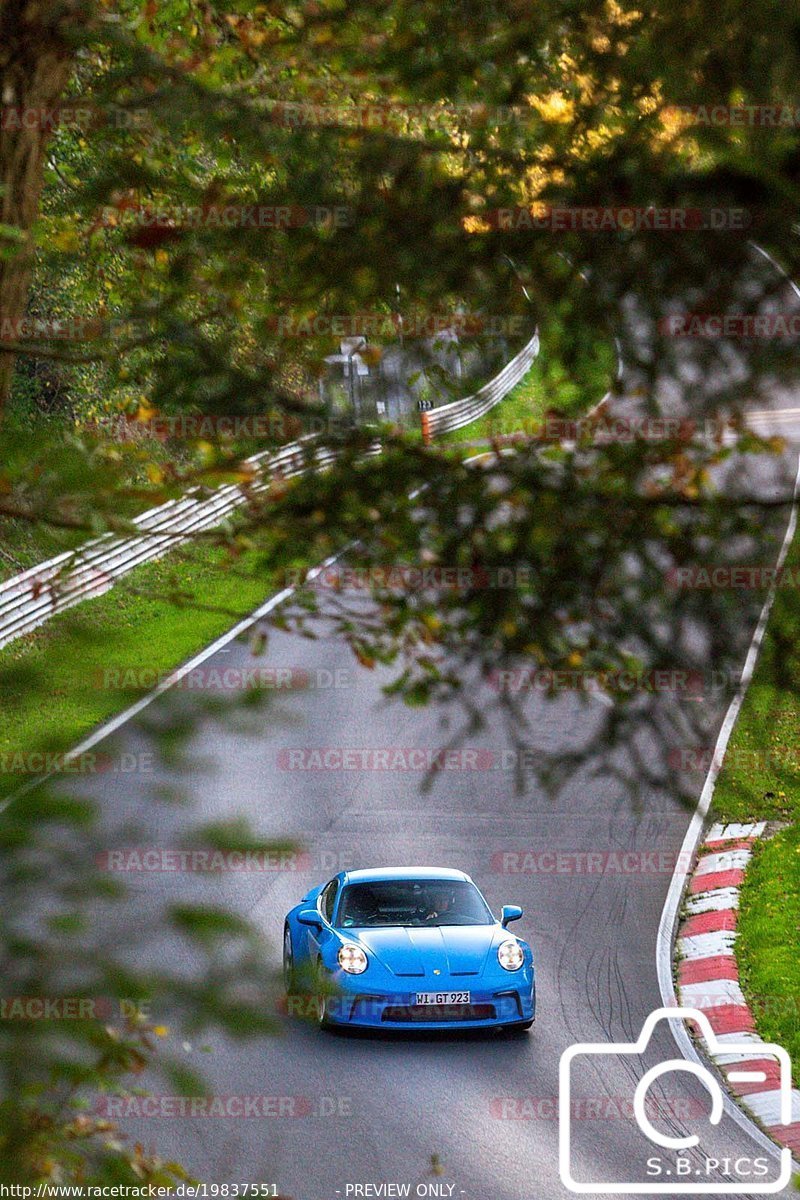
{"type": "Point", "coordinates": [375, 874]}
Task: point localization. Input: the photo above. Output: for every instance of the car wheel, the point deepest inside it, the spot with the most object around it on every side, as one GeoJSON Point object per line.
{"type": "Point", "coordinates": [288, 960]}
{"type": "Point", "coordinates": [321, 994]}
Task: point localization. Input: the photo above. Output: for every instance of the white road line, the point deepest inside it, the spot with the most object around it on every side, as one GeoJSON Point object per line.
{"type": "Point", "coordinates": [669, 915]}
{"type": "Point", "coordinates": [110, 727]}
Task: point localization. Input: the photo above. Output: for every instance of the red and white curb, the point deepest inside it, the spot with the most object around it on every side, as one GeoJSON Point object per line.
{"type": "Point", "coordinates": [708, 976]}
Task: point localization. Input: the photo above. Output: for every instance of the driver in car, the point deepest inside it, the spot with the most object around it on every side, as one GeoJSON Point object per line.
{"type": "Point", "coordinates": [364, 912]}
{"type": "Point", "coordinates": [439, 907]}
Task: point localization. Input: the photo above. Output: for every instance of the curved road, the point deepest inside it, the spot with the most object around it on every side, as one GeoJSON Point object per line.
{"type": "Point", "coordinates": [382, 1110]}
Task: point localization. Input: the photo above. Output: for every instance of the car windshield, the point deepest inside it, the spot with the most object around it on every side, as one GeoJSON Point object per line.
{"type": "Point", "coordinates": [412, 902]}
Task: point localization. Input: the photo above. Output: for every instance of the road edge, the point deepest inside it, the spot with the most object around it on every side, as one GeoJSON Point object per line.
{"type": "Point", "coordinates": [665, 938]}
{"type": "Point", "coordinates": [708, 975]}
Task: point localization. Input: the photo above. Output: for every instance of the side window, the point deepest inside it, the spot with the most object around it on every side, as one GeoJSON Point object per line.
{"type": "Point", "coordinates": [327, 899]}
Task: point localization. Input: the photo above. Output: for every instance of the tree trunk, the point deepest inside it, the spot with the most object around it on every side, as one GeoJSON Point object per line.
{"type": "Point", "coordinates": [37, 48]}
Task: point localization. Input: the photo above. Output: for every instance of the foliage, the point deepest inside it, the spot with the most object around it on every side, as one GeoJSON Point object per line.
{"type": "Point", "coordinates": [481, 109]}
{"type": "Point", "coordinates": [64, 941]}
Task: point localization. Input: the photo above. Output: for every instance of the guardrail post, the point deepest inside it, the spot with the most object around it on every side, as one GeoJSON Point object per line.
{"type": "Point", "coordinates": [425, 421]}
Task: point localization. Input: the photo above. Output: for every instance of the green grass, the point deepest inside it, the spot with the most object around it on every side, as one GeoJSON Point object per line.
{"type": "Point", "coordinates": [50, 680]}
{"type": "Point", "coordinates": [760, 778]}
{"type": "Point", "coordinates": [23, 544]}
{"type": "Point", "coordinates": [121, 476]}
{"type": "Point", "coordinates": [571, 389]}
{"type": "Point", "coordinates": [769, 930]}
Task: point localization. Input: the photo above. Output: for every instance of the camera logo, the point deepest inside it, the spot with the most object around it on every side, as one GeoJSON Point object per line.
{"type": "Point", "coordinates": [676, 1172]}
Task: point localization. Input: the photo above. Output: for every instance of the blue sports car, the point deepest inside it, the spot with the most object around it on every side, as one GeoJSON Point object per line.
{"type": "Point", "coordinates": [413, 947]}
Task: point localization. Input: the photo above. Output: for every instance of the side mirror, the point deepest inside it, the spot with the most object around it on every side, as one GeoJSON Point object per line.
{"type": "Point", "coordinates": [509, 913]}
{"type": "Point", "coordinates": [310, 917]}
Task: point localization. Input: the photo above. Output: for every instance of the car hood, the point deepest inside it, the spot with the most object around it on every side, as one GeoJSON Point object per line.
{"type": "Point", "coordinates": [448, 949]}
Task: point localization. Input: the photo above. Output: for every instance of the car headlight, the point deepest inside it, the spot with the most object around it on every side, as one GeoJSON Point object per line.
{"type": "Point", "coordinates": [352, 959]}
{"type": "Point", "coordinates": [510, 955]}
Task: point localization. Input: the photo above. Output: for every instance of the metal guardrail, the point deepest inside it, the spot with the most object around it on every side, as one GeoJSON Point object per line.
{"type": "Point", "coordinates": [31, 598]}
{"type": "Point", "coordinates": [470, 408]}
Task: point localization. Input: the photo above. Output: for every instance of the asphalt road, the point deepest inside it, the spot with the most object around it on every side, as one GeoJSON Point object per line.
{"type": "Point", "coordinates": [380, 1110]}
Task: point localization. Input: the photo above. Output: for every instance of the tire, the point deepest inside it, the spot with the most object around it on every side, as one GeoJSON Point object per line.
{"type": "Point", "coordinates": [288, 961]}
{"type": "Point", "coordinates": [319, 992]}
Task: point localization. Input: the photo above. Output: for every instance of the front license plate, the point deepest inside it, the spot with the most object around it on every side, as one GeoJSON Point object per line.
{"type": "Point", "coordinates": [438, 998]}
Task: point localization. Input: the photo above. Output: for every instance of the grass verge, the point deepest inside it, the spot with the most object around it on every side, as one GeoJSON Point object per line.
{"type": "Point", "coordinates": [760, 780]}
{"type": "Point", "coordinates": [769, 921]}
{"type": "Point", "coordinates": [760, 777]}
{"type": "Point", "coordinates": [54, 682]}
{"type": "Point", "coordinates": [569, 384]}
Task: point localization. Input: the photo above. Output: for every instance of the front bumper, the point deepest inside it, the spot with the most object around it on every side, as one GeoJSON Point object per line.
{"type": "Point", "coordinates": [504, 1005]}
